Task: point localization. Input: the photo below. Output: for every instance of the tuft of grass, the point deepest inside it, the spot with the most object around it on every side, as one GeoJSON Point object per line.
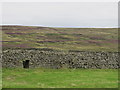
{"type": "Point", "coordinates": [59, 78]}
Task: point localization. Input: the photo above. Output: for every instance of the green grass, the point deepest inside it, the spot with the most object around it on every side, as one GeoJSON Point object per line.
{"type": "Point", "coordinates": [60, 78]}
{"type": "Point", "coordinates": [82, 39]}
{"type": "Point", "coordinates": [0, 78]}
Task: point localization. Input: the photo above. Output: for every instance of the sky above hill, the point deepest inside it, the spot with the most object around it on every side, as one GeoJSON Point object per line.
{"type": "Point", "coordinates": [61, 14]}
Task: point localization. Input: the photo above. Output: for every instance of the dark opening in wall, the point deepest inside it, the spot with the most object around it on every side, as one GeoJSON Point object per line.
{"type": "Point", "coordinates": [26, 64]}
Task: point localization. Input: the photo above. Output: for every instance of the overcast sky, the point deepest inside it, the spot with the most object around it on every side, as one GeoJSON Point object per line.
{"type": "Point", "coordinates": [61, 14]}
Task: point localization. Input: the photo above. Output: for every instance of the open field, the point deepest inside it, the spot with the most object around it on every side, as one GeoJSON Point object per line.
{"type": "Point", "coordinates": [83, 39]}
{"type": "Point", "coordinates": [60, 78]}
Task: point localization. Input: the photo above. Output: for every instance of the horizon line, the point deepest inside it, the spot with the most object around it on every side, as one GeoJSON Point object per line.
{"type": "Point", "coordinates": [60, 26]}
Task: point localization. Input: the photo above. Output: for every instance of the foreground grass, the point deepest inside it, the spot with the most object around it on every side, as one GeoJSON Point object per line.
{"type": "Point", "coordinates": [62, 78]}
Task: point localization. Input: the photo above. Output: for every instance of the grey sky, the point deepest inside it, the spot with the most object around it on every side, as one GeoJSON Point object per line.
{"type": "Point", "coordinates": [63, 14]}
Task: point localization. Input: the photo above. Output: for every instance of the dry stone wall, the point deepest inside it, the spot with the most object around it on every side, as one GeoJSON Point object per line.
{"type": "Point", "coordinates": [60, 59]}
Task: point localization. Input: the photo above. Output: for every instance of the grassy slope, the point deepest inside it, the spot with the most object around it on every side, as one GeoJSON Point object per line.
{"type": "Point", "coordinates": [90, 39]}
{"type": "Point", "coordinates": [62, 78]}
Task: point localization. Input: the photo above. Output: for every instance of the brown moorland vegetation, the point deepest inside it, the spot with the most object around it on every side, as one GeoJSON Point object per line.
{"type": "Point", "coordinates": [82, 39]}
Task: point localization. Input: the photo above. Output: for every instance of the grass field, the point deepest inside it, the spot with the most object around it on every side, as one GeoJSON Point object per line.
{"type": "Point", "coordinates": [83, 39]}
{"type": "Point", "coordinates": [60, 78]}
